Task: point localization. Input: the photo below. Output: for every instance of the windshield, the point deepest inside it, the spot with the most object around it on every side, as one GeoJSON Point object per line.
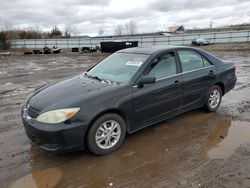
{"type": "Point", "coordinates": [118, 67]}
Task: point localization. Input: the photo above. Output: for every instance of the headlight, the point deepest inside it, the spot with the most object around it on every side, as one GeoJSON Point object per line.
{"type": "Point", "coordinates": [57, 116]}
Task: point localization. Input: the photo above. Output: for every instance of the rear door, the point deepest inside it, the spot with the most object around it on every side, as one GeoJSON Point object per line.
{"type": "Point", "coordinates": [156, 101]}
{"type": "Point", "coordinates": [198, 75]}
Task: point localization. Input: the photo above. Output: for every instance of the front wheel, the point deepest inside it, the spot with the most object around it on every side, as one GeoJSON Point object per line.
{"type": "Point", "coordinates": [214, 99]}
{"type": "Point", "coordinates": [106, 134]}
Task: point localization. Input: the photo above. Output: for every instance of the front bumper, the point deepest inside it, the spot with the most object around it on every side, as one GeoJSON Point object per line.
{"type": "Point", "coordinates": [55, 137]}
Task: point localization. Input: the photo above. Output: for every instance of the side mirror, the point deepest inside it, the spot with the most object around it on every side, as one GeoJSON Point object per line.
{"type": "Point", "coordinates": [146, 80]}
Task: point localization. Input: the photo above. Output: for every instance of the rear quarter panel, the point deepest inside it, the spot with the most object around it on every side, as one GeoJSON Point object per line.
{"type": "Point", "coordinates": [226, 75]}
{"type": "Point", "coordinates": [225, 71]}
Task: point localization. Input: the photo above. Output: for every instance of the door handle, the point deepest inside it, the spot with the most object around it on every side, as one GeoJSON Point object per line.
{"type": "Point", "coordinates": [211, 73]}
{"type": "Point", "coordinates": [177, 83]}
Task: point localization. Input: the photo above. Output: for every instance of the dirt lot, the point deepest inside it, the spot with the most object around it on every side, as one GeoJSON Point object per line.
{"type": "Point", "coordinates": [195, 149]}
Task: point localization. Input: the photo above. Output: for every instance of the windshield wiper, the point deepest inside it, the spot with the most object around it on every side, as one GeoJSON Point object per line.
{"type": "Point", "coordinates": [94, 77]}
{"type": "Point", "coordinates": [101, 80]}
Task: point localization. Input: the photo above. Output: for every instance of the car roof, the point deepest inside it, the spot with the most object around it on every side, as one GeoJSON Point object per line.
{"type": "Point", "coordinates": [158, 49]}
{"type": "Point", "coordinates": [151, 49]}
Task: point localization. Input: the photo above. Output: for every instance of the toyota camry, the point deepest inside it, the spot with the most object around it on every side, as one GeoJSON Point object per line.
{"type": "Point", "coordinates": [127, 91]}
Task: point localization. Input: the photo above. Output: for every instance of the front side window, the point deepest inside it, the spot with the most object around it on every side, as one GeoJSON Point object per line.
{"type": "Point", "coordinates": [118, 67]}
{"type": "Point", "coordinates": [163, 66]}
{"type": "Point", "coordinates": [190, 60]}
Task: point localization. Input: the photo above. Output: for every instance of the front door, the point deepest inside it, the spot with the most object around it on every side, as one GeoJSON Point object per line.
{"type": "Point", "coordinates": [153, 102]}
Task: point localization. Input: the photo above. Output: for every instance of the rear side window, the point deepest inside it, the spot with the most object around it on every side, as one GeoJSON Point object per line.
{"type": "Point", "coordinates": [191, 60]}
{"type": "Point", "coordinates": [206, 62]}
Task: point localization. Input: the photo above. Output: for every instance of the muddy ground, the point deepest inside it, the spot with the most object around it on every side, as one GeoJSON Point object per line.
{"type": "Point", "coordinates": [195, 149]}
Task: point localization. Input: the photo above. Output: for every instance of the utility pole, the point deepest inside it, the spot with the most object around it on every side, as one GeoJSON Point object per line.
{"type": "Point", "coordinates": [211, 24]}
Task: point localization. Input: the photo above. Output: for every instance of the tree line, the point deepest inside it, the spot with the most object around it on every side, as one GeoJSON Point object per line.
{"type": "Point", "coordinates": [35, 33]}
{"type": "Point", "coordinates": [7, 33]}
{"type": "Point", "coordinates": [129, 28]}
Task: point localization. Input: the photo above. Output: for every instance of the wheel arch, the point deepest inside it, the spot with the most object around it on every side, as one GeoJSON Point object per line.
{"type": "Point", "coordinates": [111, 111]}
{"type": "Point", "coordinates": [222, 86]}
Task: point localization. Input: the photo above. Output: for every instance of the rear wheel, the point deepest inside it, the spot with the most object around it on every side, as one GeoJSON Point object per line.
{"type": "Point", "coordinates": [214, 99]}
{"type": "Point", "coordinates": [106, 134]}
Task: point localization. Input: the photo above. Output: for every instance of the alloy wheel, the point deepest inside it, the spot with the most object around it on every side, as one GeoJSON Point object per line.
{"type": "Point", "coordinates": [108, 134]}
{"type": "Point", "coordinates": [214, 98]}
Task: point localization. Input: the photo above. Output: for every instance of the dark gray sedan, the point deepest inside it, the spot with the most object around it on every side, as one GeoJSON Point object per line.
{"type": "Point", "coordinates": [129, 90]}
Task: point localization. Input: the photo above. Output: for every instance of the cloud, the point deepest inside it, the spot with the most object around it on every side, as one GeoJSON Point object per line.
{"type": "Point", "coordinates": [181, 5]}
{"type": "Point", "coordinates": [88, 16]}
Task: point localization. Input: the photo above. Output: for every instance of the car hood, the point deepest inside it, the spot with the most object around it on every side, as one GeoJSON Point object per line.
{"type": "Point", "coordinates": [68, 93]}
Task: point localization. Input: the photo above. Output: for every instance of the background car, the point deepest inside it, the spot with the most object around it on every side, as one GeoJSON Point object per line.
{"type": "Point", "coordinates": [129, 90]}
{"type": "Point", "coordinates": [201, 42]}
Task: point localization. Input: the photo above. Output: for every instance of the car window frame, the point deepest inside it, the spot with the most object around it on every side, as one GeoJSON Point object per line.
{"type": "Point", "coordinates": [196, 52]}
{"type": "Point", "coordinates": [203, 58]}
{"type": "Point", "coordinates": [147, 69]}
{"type": "Point", "coordinates": [180, 72]}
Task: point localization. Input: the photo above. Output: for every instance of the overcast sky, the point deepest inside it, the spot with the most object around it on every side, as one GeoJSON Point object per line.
{"type": "Point", "coordinates": [88, 16]}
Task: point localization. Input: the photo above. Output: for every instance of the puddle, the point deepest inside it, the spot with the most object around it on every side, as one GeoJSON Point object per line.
{"type": "Point", "coordinates": [229, 137]}
{"type": "Point", "coordinates": [173, 146]}
{"type": "Point", "coordinates": [45, 178]}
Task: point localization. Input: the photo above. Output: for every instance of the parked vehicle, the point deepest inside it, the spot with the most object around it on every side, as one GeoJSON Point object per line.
{"type": "Point", "coordinates": [111, 47]}
{"type": "Point", "coordinates": [5, 53]}
{"type": "Point", "coordinates": [89, 49]}
{"type": "Point", "coordinates": [75, 49]}
{"type": "Point", "coordinates": [129, 90]}
{"type": "Point", "coordinates": [36, 51]}
{"type": "Point", "coordinates": [46, 50]}
{"type": "Point", "coordinates": [56, 50]}
{"type": "Point", "coordinates": [201, 42]}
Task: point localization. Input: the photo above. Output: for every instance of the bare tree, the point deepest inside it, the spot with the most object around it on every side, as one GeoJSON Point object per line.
{"type": "Point", "coordinates": [29, 33]}
{"type": "Point", "coordinates": [119, 30]}
{"type": "Point", "coordinates": [6, 34]}
{"type": "Point", "coordinates": [68, 31]}
{"type": "Point", "coordinates": [9, 29]}
{"type": "Point", "coordinates": [7, 26]}
{"type": "Point", "coordinates": [131, 27]}
{"type": "Point", "coordinates": [100, 32]}
{"type": "Point", "coordinates": [55, 32]}
{"type": "Point", "coordinates": [5, 42]}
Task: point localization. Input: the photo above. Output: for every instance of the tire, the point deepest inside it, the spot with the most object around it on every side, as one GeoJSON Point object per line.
{"type": "Point", "coordinates": [213, 103]}
{"type": "Point", "coordinates": [101, 139]}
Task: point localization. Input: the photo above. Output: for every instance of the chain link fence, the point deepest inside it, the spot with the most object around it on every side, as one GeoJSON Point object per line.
{"type": "Point", "coordinates": [174, 39]}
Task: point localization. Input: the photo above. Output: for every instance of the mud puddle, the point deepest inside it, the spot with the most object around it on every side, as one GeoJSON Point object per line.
{"type": "Point", "coordinates": [238, 134]}
{"type": "Point", "coordinates": [48, 178]}
{"type": "Point", "coordinates": [156, 157]}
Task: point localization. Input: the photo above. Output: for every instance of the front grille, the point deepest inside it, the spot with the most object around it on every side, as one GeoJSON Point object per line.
{"type": "Point", "coordinates": [31, 112]}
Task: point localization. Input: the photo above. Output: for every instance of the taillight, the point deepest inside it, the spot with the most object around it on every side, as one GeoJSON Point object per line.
{"type": "Point", "coordinates": [234, 67]}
